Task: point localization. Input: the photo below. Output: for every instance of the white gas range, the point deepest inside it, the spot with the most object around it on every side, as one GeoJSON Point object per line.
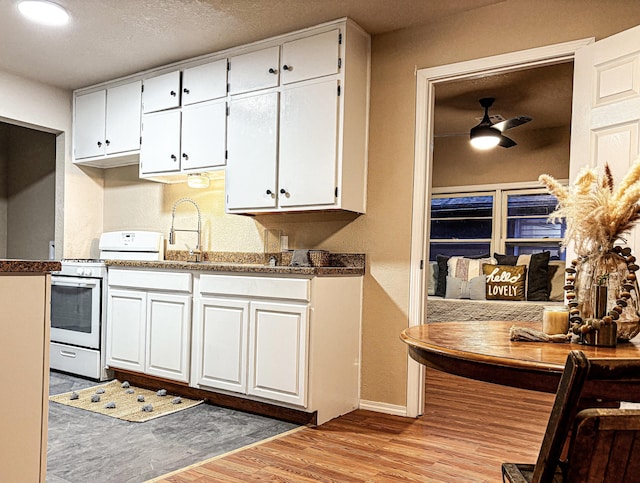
{"type": "Point", "coordinates": [78, 301]}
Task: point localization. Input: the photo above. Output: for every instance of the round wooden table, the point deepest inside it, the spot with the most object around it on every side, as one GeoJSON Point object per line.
{"type": "Point", "coordinates": [482, 350]}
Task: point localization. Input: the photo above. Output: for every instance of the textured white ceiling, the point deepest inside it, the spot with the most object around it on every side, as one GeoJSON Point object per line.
{"type": "Point", "coordinates": [107, 39]}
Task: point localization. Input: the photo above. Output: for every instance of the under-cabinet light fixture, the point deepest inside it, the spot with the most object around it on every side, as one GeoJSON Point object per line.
{"type": "Point", "coordinates": [197, 180]}
{"type": "Point", "coordinates": [43, 12]}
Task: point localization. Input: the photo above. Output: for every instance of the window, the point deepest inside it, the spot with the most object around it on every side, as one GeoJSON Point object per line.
{"type": "Point", "coordinates": [461, 224]}
{"type": "Point", "coordinates": [527, 229]}
{"type": "Point", "coordinates": [511, 221]}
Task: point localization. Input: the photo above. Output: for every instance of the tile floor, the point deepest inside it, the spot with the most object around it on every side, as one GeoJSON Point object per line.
{"type": "Point", "coordinates": [84, 446]}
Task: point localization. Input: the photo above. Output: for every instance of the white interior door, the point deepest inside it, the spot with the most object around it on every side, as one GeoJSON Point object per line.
{"type": "Point", "coordinates": [606, 107]}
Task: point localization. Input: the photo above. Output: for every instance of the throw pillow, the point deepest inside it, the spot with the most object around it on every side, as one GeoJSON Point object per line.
{"type": "Point", "coordinates": [506, 259]}
{"type": "Point", "coordinates": [432, 278]}
{"type": "Point", "coordinates": [458, 288]}
{"type": "Point", "coordinates": [505, 282]}
{"type": "Point", "coordinates": [478, 288]}
{"type": "Point", "coordinates": [556, 280]}
{"type": "Point", "coordinates": [537, 275]}
{"type": "Point", "coordinates": [441, 285]}
{"type": "Point", "coordinates": [467, 268]}
{"type": "Point", "coordinates": [443, 271]}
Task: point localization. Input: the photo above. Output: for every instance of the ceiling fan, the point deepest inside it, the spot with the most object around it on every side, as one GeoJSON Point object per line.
{"type": "Point", "coordinates": [487, 135]}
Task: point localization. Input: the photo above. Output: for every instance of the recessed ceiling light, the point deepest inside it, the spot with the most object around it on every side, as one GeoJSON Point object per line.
{"type": "Point", "coordinates": [43, 12]}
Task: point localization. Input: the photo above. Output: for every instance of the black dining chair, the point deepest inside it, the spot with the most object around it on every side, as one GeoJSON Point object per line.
{"type": "Point", "coordinates": [586, 383]}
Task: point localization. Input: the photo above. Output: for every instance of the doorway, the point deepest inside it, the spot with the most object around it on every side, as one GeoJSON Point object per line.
{"type": "Point", "coordinates": [27, 192]}
{"type": "Point", "coordinates": [427, 80]}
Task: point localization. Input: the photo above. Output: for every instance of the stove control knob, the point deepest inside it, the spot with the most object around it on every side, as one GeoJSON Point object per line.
{"type": "Point", "coordinates": [87, 272]}
{"type": "Point", "coordinates": [80, 271]}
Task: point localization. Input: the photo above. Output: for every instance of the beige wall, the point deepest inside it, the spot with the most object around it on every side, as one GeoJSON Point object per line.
{"type": "Point", "coordinates": [456, 163]}
{"type": "Point", "coordinates": [30, 189]}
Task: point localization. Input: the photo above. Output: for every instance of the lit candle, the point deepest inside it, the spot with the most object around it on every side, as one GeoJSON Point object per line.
{"type": "Point", "coordinates": [555, 320]}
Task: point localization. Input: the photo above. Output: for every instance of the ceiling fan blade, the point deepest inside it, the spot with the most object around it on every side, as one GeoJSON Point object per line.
{"type": "Point", "coordinates": [511, 123]}
{"type": "Point", "coordinates": [505, 142]}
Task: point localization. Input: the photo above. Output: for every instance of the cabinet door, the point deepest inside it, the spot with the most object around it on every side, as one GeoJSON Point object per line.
{"type": "Point", "coordinates": [220, 344]}
{"type": "Point", "coordinates": [123, 118]}
{"type": "Point", "coordinates": [89, 125]}
{"type": "Point", "coordinates": [160, 150]}
{"type": "Point", "coordinates": [252, 143]}
{"type": "Point", "coordinates": [204, 82]}
{"type": "Point", "coordinates": [161, 92]}
{"type": "Point", "coordinates": [278, 352]}
{"type": "Point", "coordinates": [308, 144]}
{"type": "Point", "coordinates": [310, 57]}
{"type": "Point", "coordinates": [204, 134]}
{"type": "Point", "coordinates": [168, 344]}
{"type": "Point", "coordinates": [126, 329]}
{"type": "Point", "coordinates": [254, 71]}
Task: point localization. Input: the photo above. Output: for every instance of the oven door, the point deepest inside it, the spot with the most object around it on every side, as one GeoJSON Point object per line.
{"type": "Point", "coordinates": [76, 310]}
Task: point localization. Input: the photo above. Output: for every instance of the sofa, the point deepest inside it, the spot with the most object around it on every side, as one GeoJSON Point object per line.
{"type": "Point", "coordinates": [484, 288]}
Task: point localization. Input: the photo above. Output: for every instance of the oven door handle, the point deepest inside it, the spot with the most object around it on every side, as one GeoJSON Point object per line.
{"type": "Point", "coordinates": [80, 283]}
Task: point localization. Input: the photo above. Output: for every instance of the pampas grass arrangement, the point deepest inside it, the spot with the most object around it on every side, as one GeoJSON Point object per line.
{"type": "Point", "coordinates": [597, 212]}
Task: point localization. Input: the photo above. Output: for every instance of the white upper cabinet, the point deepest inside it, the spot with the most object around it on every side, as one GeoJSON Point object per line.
{"type": "Point", "coordinates": [252, 142]}
{"type": "Point", "coordinates": [160, 151]}
{"type": "Point", "coordinates": [321, 151]}
{"type": "Point", "coordinates": [286, 117]}
{"type": "Point", "coordinates": [161, 92]}
{"type": "Point", "coordinates": [107, 123]}
{"type": "Point", "coordinates": [90, 123]}
{"type": "Point", "coordinates": [308, 144]}
{"type": "Point", "coordinates": [204, 82]}
{"type": "Point", "coordinates": [314, 56]}
{"type": "Point", "coordinates": [254, 70]}
{"type": "Point", "coordinates": [203, 140]}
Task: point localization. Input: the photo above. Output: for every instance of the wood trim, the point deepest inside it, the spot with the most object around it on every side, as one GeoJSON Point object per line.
{"type": "Point", "coordinates": [425, 92]}
{"type": "Point", "coordinates": [224, 400]}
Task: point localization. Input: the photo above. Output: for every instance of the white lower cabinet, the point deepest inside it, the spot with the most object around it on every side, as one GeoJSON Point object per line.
{"type": "Point", "coordinates": [220, 353]}
{"type": "Point", "coordinates": [149, 322]}
{"type": "Point", "coordinates": [291, 341]}
{"type": "Point", "coordinates": [278, 352]}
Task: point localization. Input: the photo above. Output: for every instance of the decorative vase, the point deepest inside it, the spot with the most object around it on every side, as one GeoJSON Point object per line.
{"type": "Point", "coordinates": [606, 293]}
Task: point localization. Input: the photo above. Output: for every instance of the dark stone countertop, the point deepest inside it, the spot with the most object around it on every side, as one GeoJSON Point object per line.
{"type": "Point", "coordinates": [28, 266]}
{"type": "Point", "coordinates": [340, 264]}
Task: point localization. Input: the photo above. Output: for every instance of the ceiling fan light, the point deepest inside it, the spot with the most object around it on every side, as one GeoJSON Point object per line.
{"type": "Point", "coordinates": [43, 12]}
{"type": "Point", "coordinates": [197, 180]}
{"type": "Point", "coordinates": [484, 137]}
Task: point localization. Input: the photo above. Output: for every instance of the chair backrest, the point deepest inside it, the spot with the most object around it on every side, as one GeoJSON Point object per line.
{"type": "Point", "coordinates": [604, 446]}
{"type": "Point", "coordinates": [583, 382]}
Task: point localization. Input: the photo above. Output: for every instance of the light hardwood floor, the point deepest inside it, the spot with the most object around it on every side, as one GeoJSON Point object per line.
{"type": "Point", "coordinates": [468, 429]}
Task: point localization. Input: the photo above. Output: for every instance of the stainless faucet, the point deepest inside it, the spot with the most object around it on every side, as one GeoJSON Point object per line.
{"type": "Point", "coordinates": [172, 233]}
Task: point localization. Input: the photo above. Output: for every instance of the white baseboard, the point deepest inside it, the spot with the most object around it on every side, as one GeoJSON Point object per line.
{"type": "Point", "coordinates": [381, 407]}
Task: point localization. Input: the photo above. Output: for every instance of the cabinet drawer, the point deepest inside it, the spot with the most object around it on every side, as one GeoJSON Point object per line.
{"type": "Point", "coordinates": [153, 280]}
{"type": "Point", "coordinates": [76, 360]}
{"type": "Point", "coordinates": [268, 287]}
